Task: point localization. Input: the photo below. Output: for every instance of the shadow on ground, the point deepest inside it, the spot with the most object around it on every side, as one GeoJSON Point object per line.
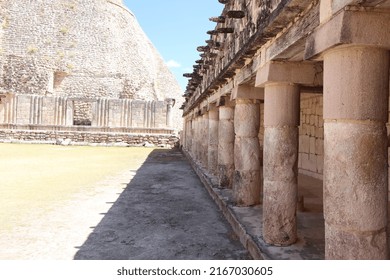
{"type": "Point", "coordinates": [163, 213]}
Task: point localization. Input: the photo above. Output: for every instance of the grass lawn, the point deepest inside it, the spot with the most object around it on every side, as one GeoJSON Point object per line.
{"type": "Point", "coordinates": [40, 176]}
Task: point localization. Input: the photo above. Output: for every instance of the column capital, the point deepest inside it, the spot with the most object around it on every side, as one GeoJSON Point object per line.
{"type": "Point", "coordinates": [308, 74]}
{"type": "Point", "coordinates": [350, 27]}
{"type": "Point", "coordinates": [247, 92]}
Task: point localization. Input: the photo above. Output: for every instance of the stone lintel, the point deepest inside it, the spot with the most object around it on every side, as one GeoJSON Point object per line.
{"type": "Point", "coordinates": [368, 28]}
{"type": "Point", "coordinates": [307, 74]}
{"type": "Point", "coordinates": [247, 92]}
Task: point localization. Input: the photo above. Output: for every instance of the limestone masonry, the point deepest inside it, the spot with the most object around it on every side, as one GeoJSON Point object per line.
{"type": "Point", "coordinates": [291, 88]}
{"type": "Point", "coordinates": [82, 63]}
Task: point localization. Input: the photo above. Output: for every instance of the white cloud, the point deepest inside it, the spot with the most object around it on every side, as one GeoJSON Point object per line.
{"type": "Point", "coordinates": [173, 64]}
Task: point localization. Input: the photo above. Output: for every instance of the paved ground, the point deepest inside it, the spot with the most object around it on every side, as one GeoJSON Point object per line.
{"type": "Point", "coordinates": [164, 213]}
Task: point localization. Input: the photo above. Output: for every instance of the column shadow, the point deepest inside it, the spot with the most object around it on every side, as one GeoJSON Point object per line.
{"type": "Point", "coordinates": [163, 213]}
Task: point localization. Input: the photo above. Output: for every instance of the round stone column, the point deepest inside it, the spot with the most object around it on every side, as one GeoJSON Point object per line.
{"type": "Point", "coordinates": [204, 141]}
{"type": "Point", "coordinates": [213, 141]}
{"type": "Point", "coordinates": [194, 134]}
{"type": "Point", "coordinates": [246, 182]}
{"type": "Point", "coordinates": [356, 89]}
{"type": "Point", "coordinates": [226, 146]}
{"type": "Point", "coordinates": [188, 134]}
{"type": "Point", "coordinates": [170, 103]}
{"type": "Point", "coordinates": [281, 121]}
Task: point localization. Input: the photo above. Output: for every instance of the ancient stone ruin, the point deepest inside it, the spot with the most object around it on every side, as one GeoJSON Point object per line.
{"type": "Point", "coordinates": [285, 88]}
{"type": "Point", "coordinates": [83, 70]}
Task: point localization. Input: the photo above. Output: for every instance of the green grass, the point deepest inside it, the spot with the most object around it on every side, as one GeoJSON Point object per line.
{"type": "Point", "coordinates": [40, 176]}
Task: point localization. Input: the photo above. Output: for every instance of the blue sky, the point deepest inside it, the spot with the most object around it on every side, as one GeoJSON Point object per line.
{"type": "Point", "coordinates": [176, 28]}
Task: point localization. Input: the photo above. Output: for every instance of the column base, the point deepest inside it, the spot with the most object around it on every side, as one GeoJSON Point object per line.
{"type": "Point", "coordinates": [225, 174]}
{"type": "Point", "coordinates": [246, 187]}
{"type": "Point", "coordinates": [355, 245]}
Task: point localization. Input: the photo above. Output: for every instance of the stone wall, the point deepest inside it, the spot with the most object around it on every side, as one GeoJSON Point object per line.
{"type": "Point", "coordinates": [82, 113]}
{"type": "Point", "coordinates": [88, 138]}
{"type": "Point", "coordinates": [83, 49]}
{"type": "Point", "coordinates": [101, 112]}
{"type": "Point", "coordinates": [311, 136]}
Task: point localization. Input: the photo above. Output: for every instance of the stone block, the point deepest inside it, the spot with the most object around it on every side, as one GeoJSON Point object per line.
{"type": "Point", "coordinates": [312, 147]}
{"type": "Point", "coordinates": [300, 160]}
{"type": "Point", "coordinates": [319, 110]}
{"type": "Point", "coordinates": [312, 131]}
{"type": "Point", "coordinates": [320, 133]}
{"type": "Point", "coordinates": [321, 122]}
{"type": "Point", "coordinates": [319, 147]}
{"type": "Point", "coordinates": [304, 144]}
{"type": "Point", "coordinates": [320, 164]}
{"type": "Point", "coordinates": [305, 161]}
{"type": "Point", "coordinates": [312, 119]}
{"type": "Point", "coordinates": [247, 154]}
{"type": "Point", "coordinates": [313, 163]}
{"type": "Point", "coordinates": [304, 129]}
{"type": "Point", "coordinates": [347, 245]}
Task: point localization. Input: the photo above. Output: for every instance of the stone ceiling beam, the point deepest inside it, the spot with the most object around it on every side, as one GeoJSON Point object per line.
{"type": "Point", "coordinates": [350, 27]}
{"type": "Point", "coordinates": [307, 74]}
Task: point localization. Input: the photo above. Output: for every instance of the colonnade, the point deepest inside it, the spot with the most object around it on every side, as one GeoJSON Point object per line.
{"type": "Point", "coordinates": [355, 81]}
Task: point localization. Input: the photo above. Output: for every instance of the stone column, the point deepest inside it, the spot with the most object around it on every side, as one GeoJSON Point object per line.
{"type": "Point", "coordinates": [69, 112]}
{"type": "Point", "coordinates": [246, 182]}
{"type": "Point", "coordinates": [356, 89]}
{"type": "Point", "coordinates": [204, 140]}
{"type": "Point", "coordinates": [281, 121]}
{"type": "Point", "coordinates": [213, 142]}
{"type": "Point", "coordinates": [226, 146]}
{"type": "Point", "coordinates": [170, 103]}
{"type": "Point", "coordinates": [195, 137]}
{"type": "Point", "coordinates": [189, 134]}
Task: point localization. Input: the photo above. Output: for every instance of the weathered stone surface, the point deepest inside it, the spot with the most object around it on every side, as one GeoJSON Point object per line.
{"type": "Point", "coordinates": [205, 140]}
{"type": "Point", "coordinates": [246, 183]}
{"type": "Point", "coordinates": [213, 142]}
{"type": "Point", "coordinates": [83, 138]}
{"type": "Point", "coordinates": [354, 245]}
{"type": "Point", "coordinates": [355, 179]}
{"type": "Point", "coordinates": [246, 187]}
{"type": "Point", "coordinates": [350, 38]}
{"type": "Point", "coordinates": [280, 155]}
{"type": "Point", "coordinates": [246, 153]}
{"type": "Point", "coordinates": [347, 98]}
{"type": "Point", "coordinates": [246, 118]}
{"type": "Point", "coordinates": [355, 168]}
{"type": "Point", "coordinates": [311, 145]}
{"type": "Point", "coordinates": [280, 185]}
{"type": "Point", "coordinates": [281, 120]}
{"type": "Point", "coordinates": [81, 48]}
{"type": "Point", "coordinates": [281, 105]}
{"type": "Point", "coordinates": [226, 146]}
{"type": "Point", "coordinates": [279, 212]}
